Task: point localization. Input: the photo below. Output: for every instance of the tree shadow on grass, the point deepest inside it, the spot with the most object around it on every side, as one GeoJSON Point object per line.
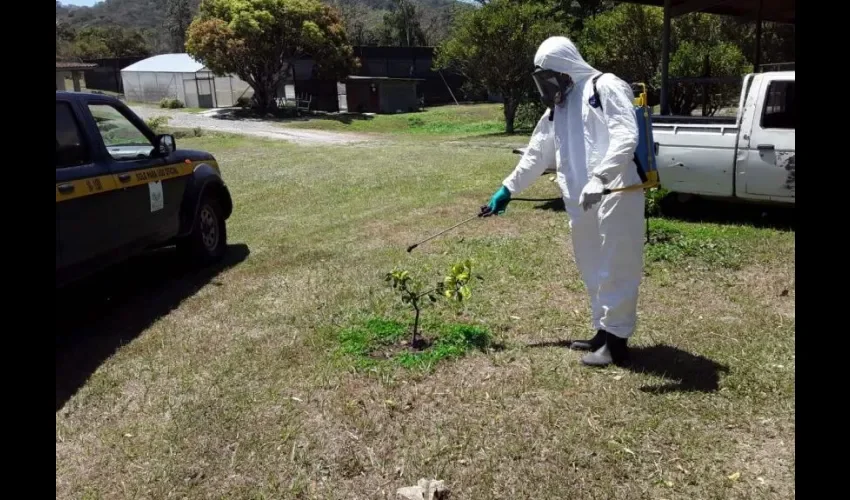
{"type": "Point", "coordinates": [97, 316]}
{"type": "Point", "coordinates": [724, 212]}
{"type": "Point", "coordinates": [344, 118]}
{"type": "Point", "coordinates": [288, 116]}
{"type": "Point", "coordinates": [684, 371]}
{"type": "Point", "coordinates": [708, 211]}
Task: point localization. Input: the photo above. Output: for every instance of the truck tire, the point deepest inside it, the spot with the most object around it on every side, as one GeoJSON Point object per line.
{"type": "Point", "coordinates": [207, 242]}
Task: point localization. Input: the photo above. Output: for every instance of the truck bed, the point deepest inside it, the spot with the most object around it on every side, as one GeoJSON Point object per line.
{"type": "Point", "coordinates": [701, 120]}
{"type": "Point", "coordinates": [696, 157]}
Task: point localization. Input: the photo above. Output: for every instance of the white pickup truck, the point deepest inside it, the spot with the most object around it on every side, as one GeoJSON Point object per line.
{"type": "Point", "coordinates": [750, 156]}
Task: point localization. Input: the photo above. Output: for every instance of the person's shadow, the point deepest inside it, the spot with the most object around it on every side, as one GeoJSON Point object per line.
{"type": "Point", "coordinates": [684, 371]}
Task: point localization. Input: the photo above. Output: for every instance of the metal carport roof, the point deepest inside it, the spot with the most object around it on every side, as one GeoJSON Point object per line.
{"type": "Point", "coordinates": [780, 11]}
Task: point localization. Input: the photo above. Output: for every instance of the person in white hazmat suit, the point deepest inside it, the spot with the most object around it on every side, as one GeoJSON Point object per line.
{"type": "Point", "coordinates": [591, 142]}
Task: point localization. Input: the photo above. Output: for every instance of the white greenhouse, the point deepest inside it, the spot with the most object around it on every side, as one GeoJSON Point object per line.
{"type": "Point", "coordinates": [179, 76]}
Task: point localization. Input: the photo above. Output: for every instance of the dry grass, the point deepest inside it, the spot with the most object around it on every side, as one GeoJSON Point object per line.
{"type": "Point", "coordinates": [225, 384]}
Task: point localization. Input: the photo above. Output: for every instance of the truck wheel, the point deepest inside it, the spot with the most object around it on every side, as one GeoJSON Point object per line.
{"type": "Point", "coordinates": [207, 242]}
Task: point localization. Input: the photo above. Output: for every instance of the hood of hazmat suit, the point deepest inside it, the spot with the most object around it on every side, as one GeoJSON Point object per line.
{"type": "Point", "coordinates": [591, 143]}
{"type": "Point", "coordinates": [559, 54]}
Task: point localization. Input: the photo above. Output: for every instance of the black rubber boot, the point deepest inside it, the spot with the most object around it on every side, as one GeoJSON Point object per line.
{"type": "Point", "coordinates": [614, 351]}
{"type": "Point", "coordinates": [593, 344]}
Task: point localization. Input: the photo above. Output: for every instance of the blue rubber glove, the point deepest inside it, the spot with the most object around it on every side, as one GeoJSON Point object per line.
{"type": "Point", "coordinates": [498, 203]}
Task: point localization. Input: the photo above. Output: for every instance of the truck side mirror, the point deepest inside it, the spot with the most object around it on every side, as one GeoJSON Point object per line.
{"type": "Point", "coordinates": [165, 144]}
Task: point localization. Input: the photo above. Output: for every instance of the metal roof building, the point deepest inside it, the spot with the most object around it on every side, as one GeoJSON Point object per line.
{"type": "Point", "coordinates": [179, 76]}
{"type": "Point", "coordinates": [378, 94]}
{"type": "Point", "coordinates": [71, 70]}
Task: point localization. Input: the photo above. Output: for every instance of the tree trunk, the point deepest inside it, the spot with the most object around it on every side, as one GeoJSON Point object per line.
{"type": "Point", "coordinates": [510, 106]}
{"type": "Point", "coordinates": [264, 95]}
{"type": "Point", "coordinates": [415, 325]}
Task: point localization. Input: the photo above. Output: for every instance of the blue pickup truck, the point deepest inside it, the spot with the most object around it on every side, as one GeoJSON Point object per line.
{"type": "Point", "coordinates": [122, 189]}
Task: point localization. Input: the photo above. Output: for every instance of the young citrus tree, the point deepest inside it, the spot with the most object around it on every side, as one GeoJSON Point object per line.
{"type": "Point", "coordinates": [454, 287]}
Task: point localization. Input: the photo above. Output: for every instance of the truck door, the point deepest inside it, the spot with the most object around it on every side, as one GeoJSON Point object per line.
{"type": "Point", "coordinates": [144, 204]}
{"type": "Point", "coordinates": [768, 165]}
{"type": "Point", "coordinates": [83, 193]}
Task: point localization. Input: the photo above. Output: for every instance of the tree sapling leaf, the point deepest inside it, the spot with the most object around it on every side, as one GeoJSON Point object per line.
{"type": "Point", "coordinates": [454, 287]}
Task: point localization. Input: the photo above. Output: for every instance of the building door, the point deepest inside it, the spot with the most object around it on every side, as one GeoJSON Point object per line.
{"type": "Point", "coordinates": [206, 89]}
{"type": "Point", "coordinates": [374, 99]}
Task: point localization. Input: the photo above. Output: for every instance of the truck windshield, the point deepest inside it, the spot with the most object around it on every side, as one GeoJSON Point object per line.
{"type": "Point", "coordinates": [122, 139]}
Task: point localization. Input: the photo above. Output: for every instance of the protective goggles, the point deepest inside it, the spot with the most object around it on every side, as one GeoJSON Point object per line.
{"type": "Point", "coordinates": [553, 86]}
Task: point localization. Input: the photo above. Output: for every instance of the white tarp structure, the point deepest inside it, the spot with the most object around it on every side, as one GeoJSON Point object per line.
{"type": "Point", "coordinates": [179, 76]}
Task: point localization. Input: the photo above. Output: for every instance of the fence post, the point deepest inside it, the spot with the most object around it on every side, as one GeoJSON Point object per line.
{"type": "Point", "coordinates": [665, 59]}
{"type": "Point", "coordinates": [706, 73]}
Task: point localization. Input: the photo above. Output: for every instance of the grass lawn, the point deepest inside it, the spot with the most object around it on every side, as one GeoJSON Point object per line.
{"type": "Point", "coordinates": [234, 382]}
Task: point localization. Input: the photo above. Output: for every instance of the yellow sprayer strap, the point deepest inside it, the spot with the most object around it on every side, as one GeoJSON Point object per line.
{"type": "Point", "coordinates": [651, 182]}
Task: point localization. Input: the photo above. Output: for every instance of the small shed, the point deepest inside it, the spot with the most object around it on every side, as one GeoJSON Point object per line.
{"type": "Point", "coordinates": [378, 94]}
{"type": "Point", "coordinates": [179, 76]}
{"type": "Point", "coordinates": [71, 70]}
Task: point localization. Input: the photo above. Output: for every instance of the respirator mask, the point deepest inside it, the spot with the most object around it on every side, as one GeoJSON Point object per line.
{"type": "Point", "coordinates": [553, 86]}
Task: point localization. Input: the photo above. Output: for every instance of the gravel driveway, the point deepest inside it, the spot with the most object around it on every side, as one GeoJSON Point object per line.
{"type": "Point", "coordinates": [221, 122]}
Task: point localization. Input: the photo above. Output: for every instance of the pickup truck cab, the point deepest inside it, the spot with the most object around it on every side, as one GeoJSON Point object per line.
{"type": "Point", "coordinates": [122, 189]}
{"type": "Point", "coordinates": [748, 157]}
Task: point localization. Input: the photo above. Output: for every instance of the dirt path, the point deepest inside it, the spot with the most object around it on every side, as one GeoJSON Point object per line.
{"type": "Point", "coordinates": [222, 122]}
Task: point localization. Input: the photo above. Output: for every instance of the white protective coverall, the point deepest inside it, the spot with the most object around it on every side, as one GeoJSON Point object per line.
{"type": "Point", "coordinates": [583, 142]}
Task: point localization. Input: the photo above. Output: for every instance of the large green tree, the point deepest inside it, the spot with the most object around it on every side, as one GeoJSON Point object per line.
{"type": "Point", "coordinates": [625, 40]}
{"type": "Point", "coordinates": [64, 39]}
{"type": "Point", "coordinates": [494, 46]}
{"type": "Point", "coordinates": [102, 42]}
{"type": "Point", "coordinates": [778, 41]}
{"type": "Point", "coordinates": [403, 25]}
{"type": "Point", "coordinates": [260, 40]}
{"type": "Point", "coordinates": [178, 16]}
